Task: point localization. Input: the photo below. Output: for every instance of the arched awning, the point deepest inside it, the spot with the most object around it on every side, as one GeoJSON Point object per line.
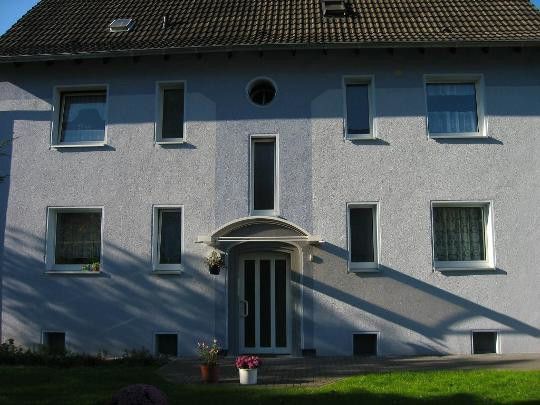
{"type": "Point", "coordinates": [259, 229]}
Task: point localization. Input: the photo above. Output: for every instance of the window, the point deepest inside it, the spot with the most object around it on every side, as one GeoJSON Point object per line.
{"type": "Point", "coordinates": [462, 236]}
{"type": "Point", "coordinates": [484, 342]}
{"type": "Point", "coordinates": [362, 220]}
{"type": "Point", "coordinates": [168, 238]}
{"type": "Point", "coordinates": [74, 239]}
{"type": "Point", "coordinates": [365, 343]}
{"type": "Point", "coordinates": [261, 91]}
{"type": "Point", "coordinates": [171, 109]}
{"type": "Point", "coordinates": [54, 342]}
{"type": "Point", "coordinates": [359, 108]}
{"type": "Point", "coordinates": [167, 344]}
{"type": "Point", "coordinates": [454, 107]}
{"type": "Point", "coordinates": [82, 117]}
{"type": "Point", "coordinates": [264, 175]}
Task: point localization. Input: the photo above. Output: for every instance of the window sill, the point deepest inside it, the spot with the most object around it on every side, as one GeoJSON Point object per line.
{"type": "Point", "coordinates": [365, 137]}
{"type": "Point", "coordinates": [79, 145]}
{"type": "Point", "coordinates": [74, 273]}
{"type": "Point", "coordinates": [471, 268]}
{"type": "Point", "coordinates": [472, 135]}
{"type": "Point", "coordinates": [166, 272]}
{"type": "Point", "coordinates": [178, 141]}
{"type": "Point", "coordinates": [366, 268]}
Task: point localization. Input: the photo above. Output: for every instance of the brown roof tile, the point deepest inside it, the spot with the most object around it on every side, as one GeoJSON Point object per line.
{"type": "Point", "coordinates": [56, 27]}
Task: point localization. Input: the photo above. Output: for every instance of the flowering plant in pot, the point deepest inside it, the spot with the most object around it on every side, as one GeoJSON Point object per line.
{"type": "Point", "coordinates": [215, 262]}
{"type": "Point", "coordinates": [247, 369]}
{"type": "Point", "coordinates": [209, 359]}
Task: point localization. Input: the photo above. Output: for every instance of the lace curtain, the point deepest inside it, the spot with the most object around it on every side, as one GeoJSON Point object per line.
{"type": "Point", "coordinates": [78, 237]}
{"type": "Point", "coordinates": [459, 233]}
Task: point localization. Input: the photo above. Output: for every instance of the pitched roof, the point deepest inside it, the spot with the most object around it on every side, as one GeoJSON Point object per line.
{"type": "Point", "coordinates": [67, 27]}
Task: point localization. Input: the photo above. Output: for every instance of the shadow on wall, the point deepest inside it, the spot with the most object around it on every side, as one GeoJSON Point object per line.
{"type": "Point", "coordinates": [415, 305]}
{"type": "Point", "coordinates": [7, 122]}
{"type": "Point", "coordinates": [122, 309]}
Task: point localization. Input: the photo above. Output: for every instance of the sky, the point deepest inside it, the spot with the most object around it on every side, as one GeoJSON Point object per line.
{"type": "Point", "coordinates": [12, 10]}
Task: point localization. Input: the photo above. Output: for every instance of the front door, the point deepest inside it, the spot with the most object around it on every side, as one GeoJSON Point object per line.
{"type": "Point", "coordinates": [264, 303]}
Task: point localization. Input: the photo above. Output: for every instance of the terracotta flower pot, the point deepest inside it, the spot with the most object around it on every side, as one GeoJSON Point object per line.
{"type": "Point", "coordinates": [209, 373]}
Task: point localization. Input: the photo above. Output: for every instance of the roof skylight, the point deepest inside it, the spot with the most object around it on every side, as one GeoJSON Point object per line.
{"type": "Point", "coordinates": [333, 8]}
{"type": "Point", "coordinates": [121, 25]}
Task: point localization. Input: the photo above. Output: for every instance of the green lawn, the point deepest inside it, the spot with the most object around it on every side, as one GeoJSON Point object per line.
{"type": "Point", "coordinates": [40, 385]}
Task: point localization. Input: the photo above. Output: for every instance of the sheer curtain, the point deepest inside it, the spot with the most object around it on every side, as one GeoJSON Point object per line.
{"type": "Point", "coordinates": [452, 108]}
{"type": "Point", "coordinates": [83, 117]}
{"type": "Point", "coordinates": [459, 233]}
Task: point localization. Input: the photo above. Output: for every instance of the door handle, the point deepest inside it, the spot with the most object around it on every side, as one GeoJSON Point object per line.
{"type": "Point", "coordinates": [245, 308]}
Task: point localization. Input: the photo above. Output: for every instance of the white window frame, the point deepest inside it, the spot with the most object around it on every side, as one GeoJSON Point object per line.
{"type": "Point", "coordinates": [378, 333]}
{"type": "Point", "coordinates": [262, 138]}
{"type": "Point", "coordinates": [51, 266]}
{"type": "Point", "coordinates": [44, 331]}
{"type": "Point", "coordinates": [157, 267]}
{"type": "Point", "coordinates": [370, 82]}
{"type": "Point", "coordinates": [497, 341]}
{"type": "Point", "coordinates": [177, 333]}
{"type": "Point", "coordinates": [58, 110]}
{"type": "Point", "coordinates": [161, 86]}
{"type": "Point", "coordinates": [362, 267]}
{"type": "Point", "coordinates": [489, 263]}
{"type": "Point", "coordinates": [478, 80]}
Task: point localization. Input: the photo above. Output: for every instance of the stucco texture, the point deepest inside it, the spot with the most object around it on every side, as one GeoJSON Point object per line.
{"type": "Point", "coordinates": [416, 310]}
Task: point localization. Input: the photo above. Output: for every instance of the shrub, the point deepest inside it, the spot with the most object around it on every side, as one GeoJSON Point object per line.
{"type": "Point", "coordinates": [139, 394]}
{"type": "Point", "coordinates": [12, 354]}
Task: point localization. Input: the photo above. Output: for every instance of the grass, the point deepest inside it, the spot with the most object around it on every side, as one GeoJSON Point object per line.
{"type": "Point", "coordinates": [42, 385]}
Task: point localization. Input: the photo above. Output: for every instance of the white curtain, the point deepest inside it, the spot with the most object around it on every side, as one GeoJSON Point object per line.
{"type": "Point", "coordinates": [83, 117]}
{"type": "Point", "coordinates": [452, 108]}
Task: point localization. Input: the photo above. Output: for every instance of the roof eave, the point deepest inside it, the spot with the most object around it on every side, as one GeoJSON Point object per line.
{"type": "Point", "coordinates": [272, 47]}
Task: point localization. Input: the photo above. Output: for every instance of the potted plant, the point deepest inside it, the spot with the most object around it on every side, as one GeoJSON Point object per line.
{"type": "Point", "coordinates": [209, 357]}
{"type": "Point", "coordinates": [215, 262]}
{"type": "Point", "coordinates": [247, 369]}
{"type": "Point", "coordinates": [95, 265]}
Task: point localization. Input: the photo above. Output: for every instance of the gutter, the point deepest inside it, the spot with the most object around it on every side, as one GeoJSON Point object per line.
{"type": "Point", "coordinates": [259, 48]}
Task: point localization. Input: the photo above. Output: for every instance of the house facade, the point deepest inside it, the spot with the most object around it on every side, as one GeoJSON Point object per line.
{"type": "Point", "coordinates": [369, 195]}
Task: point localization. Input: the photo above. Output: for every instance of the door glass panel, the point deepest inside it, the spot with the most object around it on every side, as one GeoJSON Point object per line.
{"type": "Point", "coordinates": [249, 296]}
{"type": "Point", "coordinates": [281, 303]}
{"type": "Point", "coordinates": [265, 304]}
{"type": "Point", "coordinates": [263, 175]}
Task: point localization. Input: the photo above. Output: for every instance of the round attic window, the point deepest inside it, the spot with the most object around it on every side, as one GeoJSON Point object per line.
{"type": "Point", "coordinates": [261, 91]}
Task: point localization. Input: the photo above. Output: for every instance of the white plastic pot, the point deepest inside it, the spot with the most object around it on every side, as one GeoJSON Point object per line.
{"type": "Point", "coordinates": [248, 376]}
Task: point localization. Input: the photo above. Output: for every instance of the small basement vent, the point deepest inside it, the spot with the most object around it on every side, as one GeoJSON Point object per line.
{"type": "Point", "coordinates": [484, 342]}
{"type": "Point", "coordinates": [167, 344]}
{"type": "Point", "coordinates": [334, 8]}
{"type": "Point", "coordinates": [55, 342]}
{"type": "Point", "coordinates": [365, 344]}
{"type": "Point", "coordinates": [121, 25]}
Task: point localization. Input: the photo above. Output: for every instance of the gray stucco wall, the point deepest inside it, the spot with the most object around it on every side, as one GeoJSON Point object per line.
{"type": "Point", "coordinates": [416, 309]}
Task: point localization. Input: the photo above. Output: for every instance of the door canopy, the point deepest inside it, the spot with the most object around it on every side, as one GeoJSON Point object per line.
{"type": "Point", "coordinates": [259, 229]}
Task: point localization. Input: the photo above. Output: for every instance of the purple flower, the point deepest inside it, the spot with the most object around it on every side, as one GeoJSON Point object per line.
{"type": "Point", "coordinates": [248, 362]}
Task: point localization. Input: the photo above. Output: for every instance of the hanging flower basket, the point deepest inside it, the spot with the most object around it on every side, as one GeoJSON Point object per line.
{"type": "Point", "coordinates": [215, 262]}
